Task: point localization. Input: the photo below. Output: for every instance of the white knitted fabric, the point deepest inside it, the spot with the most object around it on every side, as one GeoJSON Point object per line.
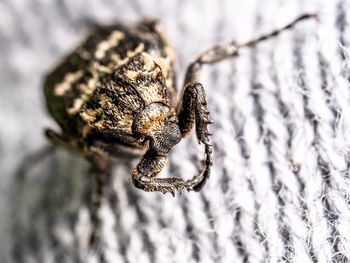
{"type": "Point", "coordinates": [280, 184]}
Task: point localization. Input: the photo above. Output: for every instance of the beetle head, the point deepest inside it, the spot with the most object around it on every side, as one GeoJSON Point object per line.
{"type": "Point", "coordinates": [158, 124]}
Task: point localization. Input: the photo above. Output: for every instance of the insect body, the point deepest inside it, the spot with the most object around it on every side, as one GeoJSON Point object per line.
{"type": "Point", "coordinates": [116, 95]}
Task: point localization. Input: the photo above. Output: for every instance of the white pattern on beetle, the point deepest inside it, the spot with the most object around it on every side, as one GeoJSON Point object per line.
{"type": "Point", "coordinates": [86, 91]}
{"type": "Point", "coordinates": [110, 42]}
{"type": "Point", "coordinates": [66, 84]}
{"type": "Point", "coordinates": [92, 83]}
{"type": "Point", "coordinates": [119, 62]}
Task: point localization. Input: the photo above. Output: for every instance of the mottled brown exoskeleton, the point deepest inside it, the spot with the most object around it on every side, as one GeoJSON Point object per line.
{"type": "Point", "coordinates": [115, 94]}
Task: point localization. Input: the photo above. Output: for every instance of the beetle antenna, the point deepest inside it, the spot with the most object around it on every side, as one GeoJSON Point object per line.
{"type": "Point", "coordinates": [276, 32]}
{"type": "Point", "coordinates": [222, 52]}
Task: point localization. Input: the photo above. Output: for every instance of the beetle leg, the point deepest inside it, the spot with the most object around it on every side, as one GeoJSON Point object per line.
{"type": "Point", "coordinates": [221, 52]}
{"type": "Point", "coordinates": [101, 168]}
{"type": "Point", "coordinates": [193, 107]}
{"type": "Point", "coordinates": [143, 176]}
{"type": "Point", "coordinates": [57, 139]}
{"type": "Point", "coordinates": [108, 149]}
{"type": "Point", "coordinates": [193, 110]}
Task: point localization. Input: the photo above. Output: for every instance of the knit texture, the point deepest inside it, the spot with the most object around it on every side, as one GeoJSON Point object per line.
{"type": "Point", "coordinates": [279, 189]}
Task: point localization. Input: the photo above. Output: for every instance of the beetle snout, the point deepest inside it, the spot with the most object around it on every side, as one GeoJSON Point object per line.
{"type": "Point", "coordinates": [163, 142]}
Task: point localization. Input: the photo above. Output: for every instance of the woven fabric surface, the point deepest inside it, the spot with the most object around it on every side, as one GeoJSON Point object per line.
{"type": "Point", "coordinates": [279, 189]}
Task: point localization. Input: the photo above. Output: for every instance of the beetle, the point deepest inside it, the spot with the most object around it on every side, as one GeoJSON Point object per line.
{"type": "Point", "coordinates": [115, 95]}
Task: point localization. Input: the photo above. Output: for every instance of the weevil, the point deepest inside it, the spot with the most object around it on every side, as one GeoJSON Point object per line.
{"type": "Point", "coordinates": [115, 94]}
